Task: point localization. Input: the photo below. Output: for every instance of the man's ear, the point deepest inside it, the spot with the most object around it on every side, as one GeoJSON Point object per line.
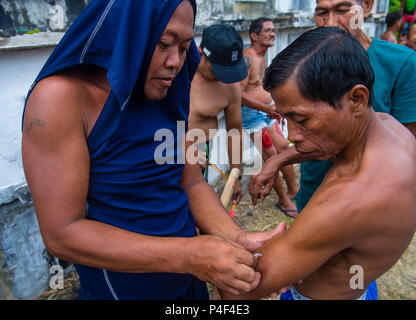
{"type": "Point", "coordinates": [254, 36]}
{"type": "Point", "coordinates": [200, 51]}
{"type": "Point", "coordinates": [367, 6]}
{"type": "Point", "coordinates": [358, 97]}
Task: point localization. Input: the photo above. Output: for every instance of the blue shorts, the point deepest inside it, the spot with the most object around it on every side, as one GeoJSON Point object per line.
{"type": "Point", "coordinates": [255, 120]}
{"type": "Point", "coordinates": [370, 294]}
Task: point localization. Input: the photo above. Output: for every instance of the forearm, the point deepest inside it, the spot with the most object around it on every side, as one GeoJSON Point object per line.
{"type": "Point", "coordinates": [104, 246]}
{"type": "Point", "coordinates": [209, 213]}
{"type": "Point", "coordinates": [275, 273]}
{"type": "Point", "coordinates": [252, 102]}
{"type": "Point", "coordinates": [288, 157]}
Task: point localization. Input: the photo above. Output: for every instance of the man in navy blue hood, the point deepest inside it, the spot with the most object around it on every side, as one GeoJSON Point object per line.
{"type": "Point", "coordinates": [103, 198]}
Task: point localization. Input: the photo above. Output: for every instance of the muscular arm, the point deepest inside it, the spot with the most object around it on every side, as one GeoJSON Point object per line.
{"type": "Point", "coordinates": [208, 211]}
{"type": "Point", "coordinates": [56, 162]}
{"type": "Point", "coordinates": [310, 242]}
{"type": "Point", "coordinates": [233, 122]}
{"type": "Point", "coordinates": [235, 139]}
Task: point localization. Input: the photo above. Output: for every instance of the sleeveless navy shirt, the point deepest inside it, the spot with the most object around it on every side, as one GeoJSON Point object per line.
{"type": "Point", "coordinates": [128, 188]}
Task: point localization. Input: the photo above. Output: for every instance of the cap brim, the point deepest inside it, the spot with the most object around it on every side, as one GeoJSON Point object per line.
{"type": "Point", "coordinates": [230, 74]}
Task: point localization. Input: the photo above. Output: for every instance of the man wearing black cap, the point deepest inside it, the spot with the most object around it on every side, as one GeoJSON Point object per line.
{"type": "Point", "coordinates": [215, 89]}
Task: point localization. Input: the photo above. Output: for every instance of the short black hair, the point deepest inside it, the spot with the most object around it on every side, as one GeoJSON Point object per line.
{"type": "Point", "coordinates": [325, 63]}
{"type": "Point", "coordinates": [392, 17]}
{"type": "Point", "coordinates": [257, 25]}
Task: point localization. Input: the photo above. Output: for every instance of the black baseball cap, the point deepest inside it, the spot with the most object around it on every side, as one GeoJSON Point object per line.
{"type": "Point", "coordinates": [223, 47]}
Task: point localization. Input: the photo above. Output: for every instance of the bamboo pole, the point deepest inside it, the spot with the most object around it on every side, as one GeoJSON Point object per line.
{"type": "Point", "coordinates": [229, 187]}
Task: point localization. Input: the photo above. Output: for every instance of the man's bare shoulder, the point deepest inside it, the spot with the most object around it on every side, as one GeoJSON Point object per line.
{"type": "Point", "coordinates": [331, 220]}
{"type": "Point", "coordinates": [384, 36]}
{"type": "Point", "coordinates": [55, 93]}
{"type": "Point", "coordinates": [60, 87]}
{"type": "Point", "coordinates": [248, 52]}
{"type": "Point", "coordinates": [58, 102]}
{"type": "Point", "coordinates": [64, 98]}
{"type": "Point", "coordinates": [250, 58]}
{"type": "Point", "coordinates": [398, 137]}
{"type": "Point", "coordinates": [389, 36]}
{"type": "Point", "coordinates": [233, 89]}
{"type": "Point", "coordinates": [400, 144]}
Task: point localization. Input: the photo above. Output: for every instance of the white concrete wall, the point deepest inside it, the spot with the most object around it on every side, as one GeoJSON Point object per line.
{"type": "Point", "coordinates": [18, 70]}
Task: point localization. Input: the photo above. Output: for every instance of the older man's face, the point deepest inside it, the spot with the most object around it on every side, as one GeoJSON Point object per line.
{"type": "Point", "coordinates": [267, 34]}
{"type": "Point", "coordinates": [341, 14]}
{"type": "Point", "coordinates": [315, 128]}
{"type": "Point", "coordinates": [170, 52]}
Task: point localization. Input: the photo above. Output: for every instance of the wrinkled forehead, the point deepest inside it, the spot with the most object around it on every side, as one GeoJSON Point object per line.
{"type": "Point", "coordinates": [288, 97]}
{"type": "Point", "coordinates": [331, 3]}
{"type": "Point", "coordinates": [268, 24]}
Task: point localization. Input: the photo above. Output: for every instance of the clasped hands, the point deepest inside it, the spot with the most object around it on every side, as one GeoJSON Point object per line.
{"type": "Point", "coordinates": [229, 263]}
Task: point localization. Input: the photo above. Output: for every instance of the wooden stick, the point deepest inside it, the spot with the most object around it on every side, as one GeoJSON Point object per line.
{"type": "Point", "coordinates": [229, 187]}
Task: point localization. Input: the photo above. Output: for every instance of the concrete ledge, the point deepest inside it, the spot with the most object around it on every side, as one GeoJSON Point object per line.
{"type": "Point", "coordinates": [18, 191]}
{"type": "Point", "coordinates": [31, 41]}
{"type": "Point", "coordinates": [24, 260]}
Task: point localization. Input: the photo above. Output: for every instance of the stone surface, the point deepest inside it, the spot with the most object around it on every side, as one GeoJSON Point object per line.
{"type": "Point", "coordinates": [24, 261]}
{"type": "Point", "coordinates": [40, 15]}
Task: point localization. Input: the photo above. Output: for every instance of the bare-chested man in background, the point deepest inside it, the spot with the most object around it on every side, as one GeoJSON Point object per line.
{"type": "Point", "coordinates": [258, 108]}
{"type": "Point", "coordinates": [215, 89]}
{"type": "Point", "coordinates": [362, 217]}
{"type": "Point", "coordinates": [394, 22]}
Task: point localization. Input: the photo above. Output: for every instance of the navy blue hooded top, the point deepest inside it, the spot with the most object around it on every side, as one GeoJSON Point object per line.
{"type": "Point", "coordinates": [127, 187]}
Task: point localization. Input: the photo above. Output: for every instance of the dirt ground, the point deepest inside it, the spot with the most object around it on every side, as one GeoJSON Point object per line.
{"type": "Point", "coordinates": [399, 283]}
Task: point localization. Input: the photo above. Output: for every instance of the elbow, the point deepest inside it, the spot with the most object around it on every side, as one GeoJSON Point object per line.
{"type": "Point", "coordinates": [55, 245]}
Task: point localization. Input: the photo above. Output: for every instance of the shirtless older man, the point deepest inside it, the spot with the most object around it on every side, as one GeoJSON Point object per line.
{"type": "Point", "coordinates": [215, 89]}
{"type": "Point", "coordinates": [363, 216]}
{"type": "Point", "coordinates": [258, 108]}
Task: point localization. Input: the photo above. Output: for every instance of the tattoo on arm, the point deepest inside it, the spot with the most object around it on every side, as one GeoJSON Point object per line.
{"type": "Point", "coordinates": [261, 71]}
{"type": "Point", "coordinates": [247, 60]}
{"type": "Point", "coordinates": [35, 122]}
